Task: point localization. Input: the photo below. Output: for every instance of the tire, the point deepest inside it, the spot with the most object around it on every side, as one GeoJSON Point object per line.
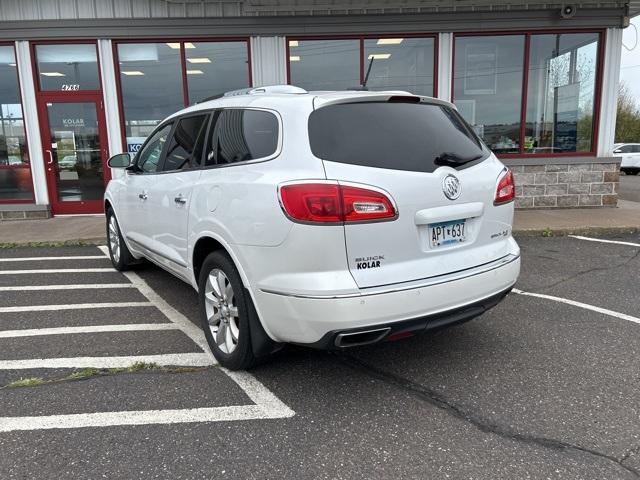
{"type": "Point", "coordinates": [632, 171]}
{"type": "Point", "coordinates": [226, 312]}
{"type": "Point", "coordinates": [120, 255]}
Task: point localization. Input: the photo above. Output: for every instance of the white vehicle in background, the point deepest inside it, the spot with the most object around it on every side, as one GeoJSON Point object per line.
{"type": "Point", "coordinates": [328, 219]}
{"type": "Point", "coordinates": [630, 157]}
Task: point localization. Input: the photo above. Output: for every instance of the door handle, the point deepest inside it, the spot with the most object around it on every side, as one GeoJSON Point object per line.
{"type": "Point", "coordinates": [50, 157]}
{"type": "Point", "coordinates": [142, 196]}
{"type": "Point", "coordinates": [180, 199]}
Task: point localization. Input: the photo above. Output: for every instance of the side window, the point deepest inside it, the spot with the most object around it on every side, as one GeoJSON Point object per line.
{"type": "Point", "coordinates": [626, 149]}
{"type": "Point", "coordinates": [185, 148]}
{"type": "Point", "coordinates": [636, 148]}
{"type": "Point", "coordinates": [240, 135]}
{"type": "Point", "coordinates": [149, 156]}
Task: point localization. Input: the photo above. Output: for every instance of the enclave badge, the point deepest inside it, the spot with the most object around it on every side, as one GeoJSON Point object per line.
{"type": "Point", "coordinates": [451, 187]}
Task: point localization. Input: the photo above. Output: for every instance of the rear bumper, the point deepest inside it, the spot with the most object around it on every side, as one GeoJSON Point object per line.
{"type": "Point", "coordinates": [451, 299]}
{"type": "Point", "coordinates": [359, 336]}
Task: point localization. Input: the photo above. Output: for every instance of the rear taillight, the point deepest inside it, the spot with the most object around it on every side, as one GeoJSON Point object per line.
{"type": "Point", "coordinates": [506, 190]}
{"type": "Point", "coordinates": [334, 203]}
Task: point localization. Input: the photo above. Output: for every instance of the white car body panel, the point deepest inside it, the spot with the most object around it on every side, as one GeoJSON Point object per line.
{"type": "Point", "coordinates": [628, 159]}
{"type": "Point", "coordinates": [303, 278]}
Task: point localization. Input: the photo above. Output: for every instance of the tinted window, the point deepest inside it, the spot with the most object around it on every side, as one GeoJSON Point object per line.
{"type": "Point", "coordinates": [68, 67]}
{"type": "Point", "coordinates": [636, 149]}
{"type": "Point", "coordinates": [151, 87]}
{"type": "Point", "coordinates": [215, 67]}
{"type": "Point", "coordinates": [399, 136]}
{"type": "Point", "coordinates": [561, 92]}
{"type": "Point", "coordinates": [15, 174]}
{"type": "Point", "coordinates": [149, 156]}
{"type": "Point", "coordinates": [488, 87]}
{"type": "Point", "coordinates": [324, 64]}
{"type": "Point", "coordinates": [240, 135]}
{"type": "Point", "coordinates": [185, 149]}
{"type": "Point", "coordinates": [400, 64]}
{"type": "Point", "coordinates": [625, 149]}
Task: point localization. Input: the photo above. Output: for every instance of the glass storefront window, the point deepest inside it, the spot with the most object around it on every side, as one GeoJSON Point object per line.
{"type": "Point", "coordinates": [215, 67]}
{"type": "Point", "coordinates": [561, 93]}
{"type": "Point", "coordinates": [15, 171]}
{"type": "Point", "coordinates": [67, 67]}
{"type": "Point", "coordinates": [488, 87]}
{"type": "Point", "coordinates": [151, 87]}
{"type": "Point", "coordinates": [324, 64]}
{"type": "Point", "coordinates": [400, 64]}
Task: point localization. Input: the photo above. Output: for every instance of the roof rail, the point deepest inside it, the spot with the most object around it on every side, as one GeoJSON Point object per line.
{"type": "Point", "coordinates": [286, 89]}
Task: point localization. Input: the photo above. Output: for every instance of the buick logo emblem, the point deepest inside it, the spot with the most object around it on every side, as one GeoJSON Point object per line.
{"type": "Point", "coordinates": [451, 187]}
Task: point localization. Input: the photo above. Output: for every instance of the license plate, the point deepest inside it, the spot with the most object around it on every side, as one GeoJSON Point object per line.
{"type": "Point", "coordinates": [447, 233]}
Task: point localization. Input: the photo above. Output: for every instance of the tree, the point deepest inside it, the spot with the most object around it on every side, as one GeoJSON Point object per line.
{"type": "Point", "coordinates": [628, 117]}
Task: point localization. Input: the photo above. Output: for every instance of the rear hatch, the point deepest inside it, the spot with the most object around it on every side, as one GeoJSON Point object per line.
{"type": "Point", "coordinates": [418, 151]}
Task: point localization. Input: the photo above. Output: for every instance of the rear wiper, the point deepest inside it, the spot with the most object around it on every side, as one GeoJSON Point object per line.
{"type": "Point", "coordinates": [451, 159]}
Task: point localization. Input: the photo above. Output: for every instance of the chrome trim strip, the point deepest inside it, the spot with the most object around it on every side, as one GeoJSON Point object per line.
{"type": "Point", "coordinates": [446, 278]}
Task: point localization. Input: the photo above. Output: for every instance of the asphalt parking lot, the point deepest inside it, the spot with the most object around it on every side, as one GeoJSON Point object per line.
{"type": "Point", "coordinates": [119, 384]}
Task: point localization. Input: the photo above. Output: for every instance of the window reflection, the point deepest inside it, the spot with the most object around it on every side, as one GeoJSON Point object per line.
{"type": "Point", "coordinates": [15, 172]}
{"type": "Point", "coordinates": [215, 67]}
{"type": "Point", "coordinates": [488, 87]}
{"type": "Point", "coordinates": [151, 87]}
{"type": "Point", "coordinates": [400, 64]}
{"type": "Point", "coordinates": [68, 67]}
{"type": "Point", "coordinates": [561, 91]}
{"type": "Point", "coordinates": [324, 64]}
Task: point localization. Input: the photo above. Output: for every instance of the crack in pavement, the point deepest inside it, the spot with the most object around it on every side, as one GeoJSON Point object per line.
{"type": "Point", "coordinates": [434, 398]}
{"type": "Point", "coordinates": [594, 269]}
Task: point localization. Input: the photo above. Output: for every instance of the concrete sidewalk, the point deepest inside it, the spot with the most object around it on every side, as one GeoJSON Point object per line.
{"type": "Point", "coordinates": [91, 229]}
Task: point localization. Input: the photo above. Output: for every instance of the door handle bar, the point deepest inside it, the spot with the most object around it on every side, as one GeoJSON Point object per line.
{"type": "Point", "coordinates": [50, 157]}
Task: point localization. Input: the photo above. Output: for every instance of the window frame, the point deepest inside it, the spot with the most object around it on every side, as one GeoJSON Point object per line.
{"type": "Point", "coordinates": [8, 201]}
{"type": "Point", "coordinates": [602, 39]}
{"type": "Point", "coordinates": [183, 67]}
{"type": "Point", "coordinates": [363, 64]}
{"type": "Point", "coordinates": [36, 72]}
{"type": "Point", "coordinates": [215, 113]}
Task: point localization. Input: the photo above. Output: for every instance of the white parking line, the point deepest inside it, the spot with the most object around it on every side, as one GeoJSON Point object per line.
{"type": "Point", "coordinates": [167, 359]}
{"type": "Point", "coordinates": [267, 406]}
{"type": "Point", "coordinates": [601, 240]}
{"type": "Point", "coordinates": [87, 286]}
{"type": "Point", "coordinates": [32, 259]}
{"type": "Point", "coordinates": [188, 328]}
{"type": "Point", "coordinates": [605, 311]}
{"type": "Point", "coordinates": [133, 327]}
{"type": "Point", "coordinates": [73, 306]}
{"type": "Point", "coordinates": [57, 270]}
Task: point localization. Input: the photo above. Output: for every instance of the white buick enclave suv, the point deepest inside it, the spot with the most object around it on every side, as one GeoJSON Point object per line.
{"type": "Point", "coordinates": [326, 219]}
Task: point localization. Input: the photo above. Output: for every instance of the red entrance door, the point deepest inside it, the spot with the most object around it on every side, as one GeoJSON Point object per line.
{"type": "Point", "coordinates": [74, 143]}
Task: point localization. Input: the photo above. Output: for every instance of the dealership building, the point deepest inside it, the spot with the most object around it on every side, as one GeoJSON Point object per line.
{"type": "Point", "coordinates": [81, 80]}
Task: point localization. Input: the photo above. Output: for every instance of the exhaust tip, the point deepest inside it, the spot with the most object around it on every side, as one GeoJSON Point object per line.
{"type": "Point", "coordinates": [356, 339]}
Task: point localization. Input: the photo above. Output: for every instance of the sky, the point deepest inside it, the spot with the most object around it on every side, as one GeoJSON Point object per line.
{"type": "Point", "coordinates": [630, 67]}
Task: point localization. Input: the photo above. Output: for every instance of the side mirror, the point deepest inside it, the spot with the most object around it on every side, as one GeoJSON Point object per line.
{"type": "Point", "coordinates": [617, 150]}
{"type": "Point", "coordinates": [121, 160]}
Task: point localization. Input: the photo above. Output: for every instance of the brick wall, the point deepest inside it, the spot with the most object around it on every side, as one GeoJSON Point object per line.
{"type": "Point", "coordinates": [26, 212]}
{"type": "Point", "coordinates": [566, 185]}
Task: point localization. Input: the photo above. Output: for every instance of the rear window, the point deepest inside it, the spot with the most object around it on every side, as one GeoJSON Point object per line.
{"type": "Point", "coordinates": [416, 137]}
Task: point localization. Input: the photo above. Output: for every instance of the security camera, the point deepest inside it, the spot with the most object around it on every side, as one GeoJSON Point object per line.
{"type": "Point", "coordinates": [568, 11]}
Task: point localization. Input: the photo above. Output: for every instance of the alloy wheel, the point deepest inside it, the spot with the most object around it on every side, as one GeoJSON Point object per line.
{"type": "Point", "coordinates": [222, 311]}
{"type": "Point", "coordinates": [114, 239]}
